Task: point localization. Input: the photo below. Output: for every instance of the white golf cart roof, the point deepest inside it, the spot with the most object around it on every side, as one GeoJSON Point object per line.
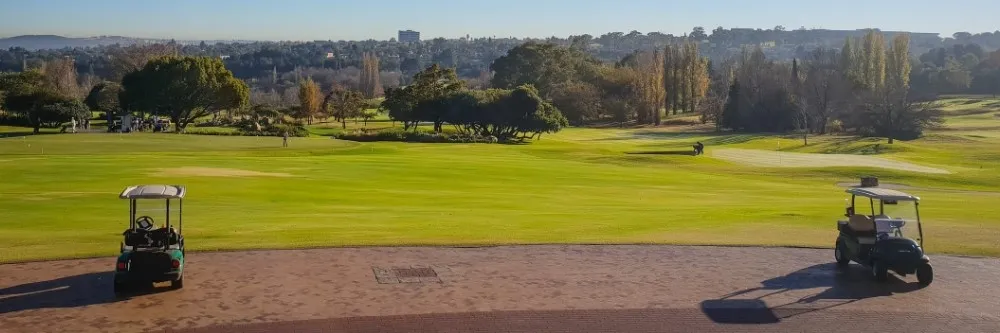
{"type": "Point", "coordinates": [881, 194]}
{"type": "Point", "coordinates": [153, 192]}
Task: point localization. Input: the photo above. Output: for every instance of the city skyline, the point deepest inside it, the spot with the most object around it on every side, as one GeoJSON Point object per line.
{"type": "Point", "coordinates": [306, 20]}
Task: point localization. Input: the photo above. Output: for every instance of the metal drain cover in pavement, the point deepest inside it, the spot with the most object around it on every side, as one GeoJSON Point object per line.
{"type": "Point", "coordinates": [405, 275]}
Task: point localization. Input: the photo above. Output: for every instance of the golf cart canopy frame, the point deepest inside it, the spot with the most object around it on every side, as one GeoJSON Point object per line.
{"type": "Point", "coordinates": [882, 194]}
{"type": "Point", "coordinates": [161, 192]}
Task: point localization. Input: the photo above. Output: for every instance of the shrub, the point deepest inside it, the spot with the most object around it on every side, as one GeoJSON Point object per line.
{"type": "Point", "coordinates": [276, 130]}
{"type": "Point", "coordinates": [400, 135]}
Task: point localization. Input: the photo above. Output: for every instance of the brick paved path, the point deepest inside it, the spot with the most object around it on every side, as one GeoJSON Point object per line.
{"type": "Point", "coordinates": [508, 289]}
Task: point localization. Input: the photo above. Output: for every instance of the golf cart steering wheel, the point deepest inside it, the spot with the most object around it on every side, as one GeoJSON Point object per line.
{"type": "Point", "coordinates": [144, 223]}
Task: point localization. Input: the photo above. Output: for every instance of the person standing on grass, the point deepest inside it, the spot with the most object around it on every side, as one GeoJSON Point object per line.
{"type": "Point", "coordinates": [73, 123]}
{"type": "Point", "coordinates": [284, 139]}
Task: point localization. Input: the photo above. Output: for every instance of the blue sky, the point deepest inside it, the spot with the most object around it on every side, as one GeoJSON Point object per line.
{"type": "Point", "coordinates": [380, 19]}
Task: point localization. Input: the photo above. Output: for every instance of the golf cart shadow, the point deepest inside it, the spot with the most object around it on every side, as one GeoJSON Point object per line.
{"type": "Point", "coordinates": [841, 287]}
{"type": "Point", "coordinates": [66, 292]}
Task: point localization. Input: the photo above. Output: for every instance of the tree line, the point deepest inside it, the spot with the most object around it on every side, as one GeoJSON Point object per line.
{"type": "Point", "coordinates": [274, 69]}
{"type": "Point", "coordinates": [863, 88]}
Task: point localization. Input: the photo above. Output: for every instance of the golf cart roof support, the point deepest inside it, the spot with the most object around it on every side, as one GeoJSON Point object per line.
{"type": "Point", "coordinates": [881, 194]}
{"type": "Point", "coordinates": [153, 192]}
{"type": "Point", "coordinates": [920, 226]}
{"type": "Point", "coordinates": [131, 214]}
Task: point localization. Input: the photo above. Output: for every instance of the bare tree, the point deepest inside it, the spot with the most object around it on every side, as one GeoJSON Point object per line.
{"type": "Point", "coordinates": [132, 58]}
{"type": "Point", "coordinates": [825, 90]}
{"type": "Point", "coordinates": [60, 76]}
{"type": "Point", "coordinates": [895, 115]}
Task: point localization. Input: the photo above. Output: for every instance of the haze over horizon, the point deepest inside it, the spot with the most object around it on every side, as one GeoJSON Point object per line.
{"type": "Point", "coordinates": [351, 20]}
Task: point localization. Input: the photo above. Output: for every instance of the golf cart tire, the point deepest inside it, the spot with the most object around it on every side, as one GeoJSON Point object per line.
{"type": "Point", "coordinates": [879, 271]}
{"type": "Point", "coordinates": [925, 274]}
{"type": "Point", "coordinates": [840, 256]}
{"type": "Point", "coordinates": [177, 284]}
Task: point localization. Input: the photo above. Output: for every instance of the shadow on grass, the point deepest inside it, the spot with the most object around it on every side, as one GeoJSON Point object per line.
{"type": "Point", "coordinates": [18, 134]}
{"type": "Point", "coordinates": [663, 152]}
{"type": "Point", "coordinates": [842, 286]}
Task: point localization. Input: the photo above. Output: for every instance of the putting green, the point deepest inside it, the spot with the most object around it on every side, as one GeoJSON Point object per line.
{"type": "Point", "coordinates": [763, 158]}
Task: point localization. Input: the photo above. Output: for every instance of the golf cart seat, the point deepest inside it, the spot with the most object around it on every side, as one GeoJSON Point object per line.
{"type": "Point", "coordinates": [862, 227]}
{"type": "Point", "coordinates": [137, 238]}
{"type": "Point", "coordinates": [165, 236]}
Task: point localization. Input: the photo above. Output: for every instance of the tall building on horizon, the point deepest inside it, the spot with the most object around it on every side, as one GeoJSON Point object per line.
{"type": "Point", "coordinates": [409, 36]}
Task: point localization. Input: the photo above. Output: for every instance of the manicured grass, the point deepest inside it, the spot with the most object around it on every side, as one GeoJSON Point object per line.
{"type": "Point", "coordinates": [58, 194]}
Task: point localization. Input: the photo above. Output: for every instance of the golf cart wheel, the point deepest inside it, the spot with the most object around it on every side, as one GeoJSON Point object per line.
{"type": "Point", "coordinates": [838, 253]}
{"type": "Point", "coordinates": [925, 274]}
{"type": "Point", "coordinates": [177, 284]}
{"type": "Point", "coordinates": [879, 271]}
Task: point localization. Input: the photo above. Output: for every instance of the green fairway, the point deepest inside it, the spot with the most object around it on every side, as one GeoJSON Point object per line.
{"type": "Point", "coordinates": [58, 194]}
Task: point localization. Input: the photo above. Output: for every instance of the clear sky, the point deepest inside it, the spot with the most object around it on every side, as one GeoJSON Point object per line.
{"type": "Point", "coordinates": [381, 19]}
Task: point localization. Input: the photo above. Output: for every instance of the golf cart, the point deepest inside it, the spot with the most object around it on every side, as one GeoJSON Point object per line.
{"type": "Point", "coordinates": [880, 242]}
{"type": "Point", "coordinates": [151, 255]}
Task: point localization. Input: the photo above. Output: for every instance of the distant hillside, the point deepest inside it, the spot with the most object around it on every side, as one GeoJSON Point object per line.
{"type": "Point", "coordinates": [37, 42]}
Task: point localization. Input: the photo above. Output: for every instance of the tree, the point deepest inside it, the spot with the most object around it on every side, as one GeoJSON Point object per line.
{"type": "Point", "coordinates": [698, 34]}
{"type": "Point", "coordinates": [731, 112]}
{"type": "Point", "coordinates": [698, 77]}
{"type": "Point", "coordinates": [825, 90]}
{"type": "Point", "coordinates": [125, 60]}
{"type": "Point", "coordinates": [541, 65]}
{"type": "Point", "coordinates": [874, 61]}
{"type": "Point", "coordinates": [369, 80]}
{"type": "Point", "coordinates": [184, 89]}
{"type": "Point", "coordinates": [310, 100]}
{"type": "Point", "coordinates": [762, 100]}
{"type": "Point", "coordinates": [893, 115]}
{"type": "Point", "coordinates": [650, 86]}
{"type": "Point", "coordinates": [28, 96]}
{"type": "Point", "coordinates": [718, 95]}
{"type": "Point", "coordinates": [578, 101]}
{"type": "Point", "coordinates": [104, 97]}
{"type": "Point", "coordinates": [504, 113]}
{"type": "Point", "coordinates": [671, 78]}
{"type": "Point", "coordinates": [898, 64]}
{"type": "Point", "coordinates": [399, 103]}
{"type": "Point", "coordinates": [61, 77]}
{"type": "Point", "coordinates": [428, 87]}
{"type": "Point", "coordinates": [344, 104]}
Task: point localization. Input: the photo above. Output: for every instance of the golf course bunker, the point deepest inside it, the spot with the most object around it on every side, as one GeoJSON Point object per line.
{"type": "Point", "coordinates": [214, 172]}
{"type": "Point", "coordinates": [764, 158]}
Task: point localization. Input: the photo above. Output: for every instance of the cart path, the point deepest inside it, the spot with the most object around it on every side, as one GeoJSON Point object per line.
{"type": "Point", "coordinates": [571, 288]}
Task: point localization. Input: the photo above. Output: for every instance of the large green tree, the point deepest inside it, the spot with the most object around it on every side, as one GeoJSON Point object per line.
{"type": "Point", "coordinates": [104, 97]}
{"type": "Point", "coordinates": [541, 65]}
{"type": "Point", "coordinates": [344, 104]}
{"type": "Point", "coordinates": [29, 96]}
{"type": "Point", "coordinates": [184, 88]}
{"type": "Point", "coordinates": [428, 87]}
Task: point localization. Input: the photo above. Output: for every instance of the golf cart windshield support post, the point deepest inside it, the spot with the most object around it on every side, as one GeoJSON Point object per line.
{"type": "Point", "coordinates": [920, 226]}
{"type": "Point", "coordinates": [872, 202]}
{"type": "Point", "coordinates": [168, 214]}
{"type": "Point", "coordinates": [131, 219]}
{"type": "Point", "coordinates": [180, 216]}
